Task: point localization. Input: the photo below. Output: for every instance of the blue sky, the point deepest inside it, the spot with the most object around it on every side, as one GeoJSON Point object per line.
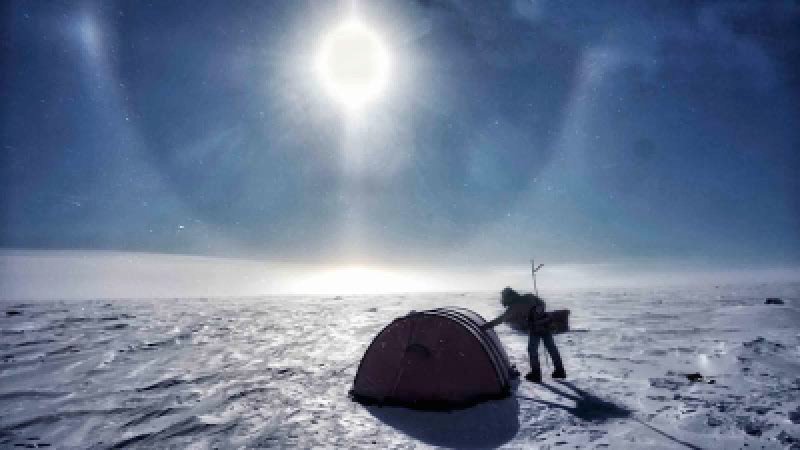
{"type": "Point", "coordinates": [573, 131]}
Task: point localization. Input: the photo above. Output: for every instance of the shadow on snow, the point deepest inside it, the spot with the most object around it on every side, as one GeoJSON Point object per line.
{"type": "Point", "coordinates": [587, 406]}
{"type": "Point", "coordinates": [591, 408]}
{"type": "Point", "coordinates": [488, 424]}
{"type": "Point", "coordinates": [494, 423]}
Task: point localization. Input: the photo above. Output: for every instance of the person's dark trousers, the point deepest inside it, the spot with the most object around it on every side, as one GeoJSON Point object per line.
{"type": "Point", "coordinates": [550, 345]}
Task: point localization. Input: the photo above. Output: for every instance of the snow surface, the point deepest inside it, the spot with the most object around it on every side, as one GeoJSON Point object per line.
{"type": "Point", "coordinates": [275, 372]}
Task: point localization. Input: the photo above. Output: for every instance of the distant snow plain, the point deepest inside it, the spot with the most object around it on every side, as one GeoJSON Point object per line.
{"type": "Point", "coordinates": [91, 358]}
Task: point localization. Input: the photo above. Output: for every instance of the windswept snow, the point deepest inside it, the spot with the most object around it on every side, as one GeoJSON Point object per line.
{"type": "Point", "coordinates": [275, 371]}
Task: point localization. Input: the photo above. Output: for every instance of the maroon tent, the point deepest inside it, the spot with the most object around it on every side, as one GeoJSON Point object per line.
{"type": "Point", "coordinates": [434, 359]}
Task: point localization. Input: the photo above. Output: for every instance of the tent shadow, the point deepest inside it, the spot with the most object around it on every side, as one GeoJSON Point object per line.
{"type": "Point", "coordinates": [485, 425]}
{"type": "Point", "coordinates": [587, 406]}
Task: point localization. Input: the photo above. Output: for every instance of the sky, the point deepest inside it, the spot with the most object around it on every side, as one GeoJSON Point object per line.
{"type": "Point", "coordinates": [572, 132]}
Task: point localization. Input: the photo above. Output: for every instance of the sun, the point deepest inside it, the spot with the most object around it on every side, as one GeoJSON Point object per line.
{"type": "Point", "coordinates": [353, 64]}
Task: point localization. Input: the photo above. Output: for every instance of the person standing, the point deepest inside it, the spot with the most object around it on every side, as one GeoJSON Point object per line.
{"type": "Point", "coordinates": [532, 309]}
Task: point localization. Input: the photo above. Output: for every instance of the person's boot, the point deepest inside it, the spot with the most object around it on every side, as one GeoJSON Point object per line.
{"type": "Point", "coordinates": [559, 373]}
{"type": "Point", "coordinates": [534, 376]}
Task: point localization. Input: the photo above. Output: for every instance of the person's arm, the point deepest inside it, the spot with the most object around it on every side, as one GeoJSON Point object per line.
{"type": "Point", "coordinates": [493, 323]}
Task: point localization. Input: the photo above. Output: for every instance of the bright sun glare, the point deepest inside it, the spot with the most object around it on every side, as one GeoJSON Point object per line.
{"type": "Point", "coordinates": [353, 64]}
{"type": "Point", "coordinates": [356, 280]}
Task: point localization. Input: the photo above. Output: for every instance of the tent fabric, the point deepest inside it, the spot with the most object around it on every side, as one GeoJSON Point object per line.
{"type": "Point", "coordinates": [435, 359]}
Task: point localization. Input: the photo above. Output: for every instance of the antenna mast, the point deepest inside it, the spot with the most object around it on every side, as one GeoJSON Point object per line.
{"type": "Point", "coordinates": [534, 269]}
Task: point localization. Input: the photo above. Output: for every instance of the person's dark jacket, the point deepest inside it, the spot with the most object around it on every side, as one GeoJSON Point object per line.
{"type": "Point", "coordinates": [515, 312]}
{"type": "Point", "coordinates": [539, 322]}
{"type": "Point", "coordinates": [528, 309]}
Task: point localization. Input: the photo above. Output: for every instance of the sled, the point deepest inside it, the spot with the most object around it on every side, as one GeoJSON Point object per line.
{"type": "Point", "coordinates": [559, 321]}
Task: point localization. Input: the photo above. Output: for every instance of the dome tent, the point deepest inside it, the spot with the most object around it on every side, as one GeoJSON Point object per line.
{"type": "Point", "coordinates": [435, 359]}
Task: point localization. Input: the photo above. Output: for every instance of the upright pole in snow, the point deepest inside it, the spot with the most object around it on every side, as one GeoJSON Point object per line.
{"type": "Point", "coordinates": [534, 269]}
